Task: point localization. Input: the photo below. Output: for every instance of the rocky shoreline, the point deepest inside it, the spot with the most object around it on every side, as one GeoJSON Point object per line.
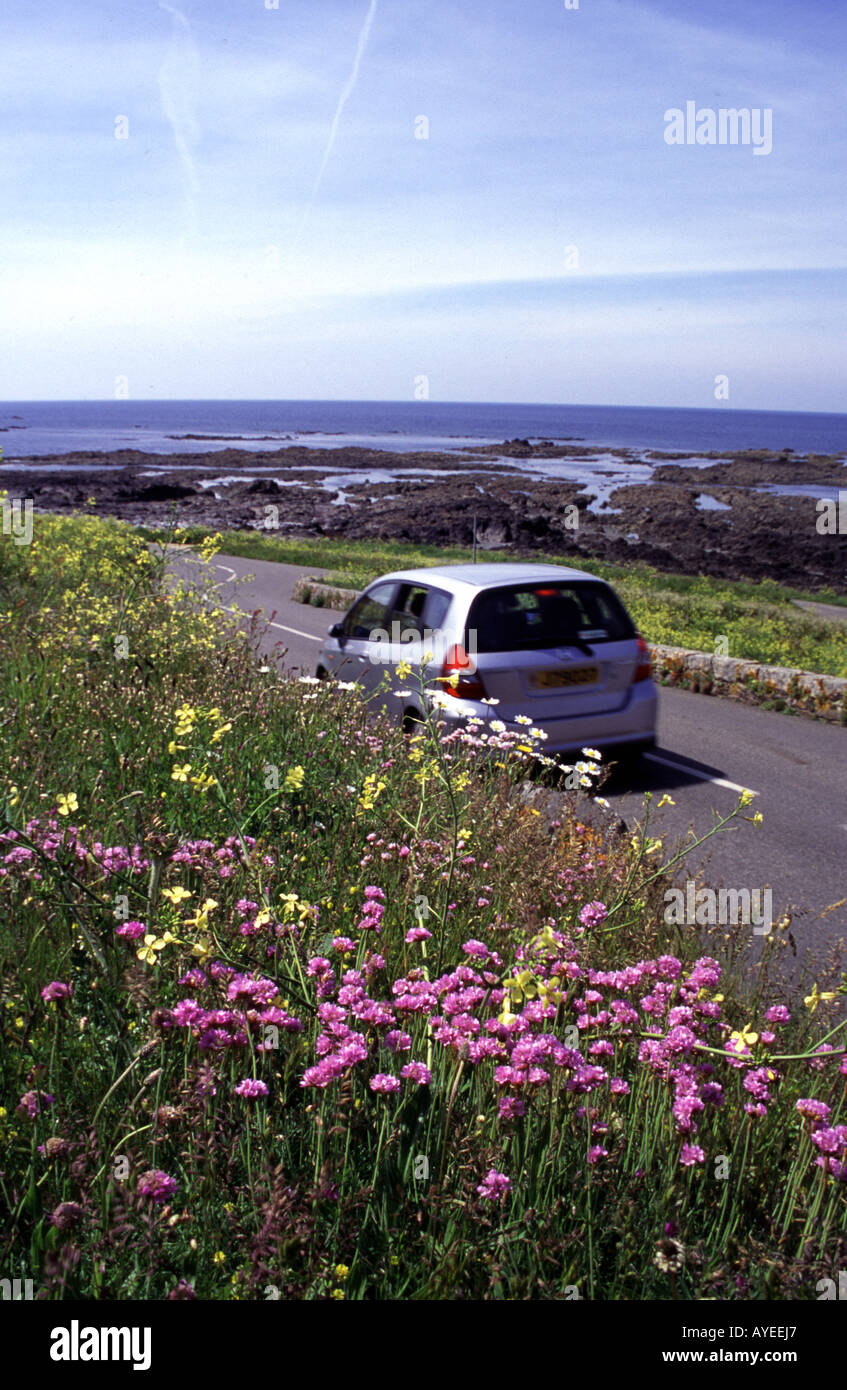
{"type": "Point", "coordinates": [709, 518]}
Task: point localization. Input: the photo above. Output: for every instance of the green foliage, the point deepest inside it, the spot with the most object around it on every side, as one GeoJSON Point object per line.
{"type": "Point", "coordinates": [247, 820]}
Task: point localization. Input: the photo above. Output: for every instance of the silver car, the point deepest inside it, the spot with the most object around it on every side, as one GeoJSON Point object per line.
{"type": "Point", "coordinates": [543, 642]}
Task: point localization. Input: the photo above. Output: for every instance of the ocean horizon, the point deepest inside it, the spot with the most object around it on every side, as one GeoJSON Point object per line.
{"type": "Point", "coordinates": [39, 428]}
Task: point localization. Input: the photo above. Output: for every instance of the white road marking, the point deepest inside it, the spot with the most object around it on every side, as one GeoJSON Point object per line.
{"type": "Point", "coordinates": [695, 772]}
{"type": "Point", "coordinates": [295, 631]}
{"type": "Point", "coordinates": [310, 635]}
{"type": "Point", "coordinates": [242, 612]}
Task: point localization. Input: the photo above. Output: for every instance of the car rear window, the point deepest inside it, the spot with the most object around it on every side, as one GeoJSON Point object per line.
{"type": "Point", "coordinates": [547, 615]}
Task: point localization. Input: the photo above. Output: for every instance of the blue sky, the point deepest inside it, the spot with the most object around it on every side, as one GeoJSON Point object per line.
{"type": "Point", "coordinates": [271, 227]}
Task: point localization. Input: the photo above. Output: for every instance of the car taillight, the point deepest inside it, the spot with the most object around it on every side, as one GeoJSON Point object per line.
{"type": "Point", "coordinates": [469, 685]}
{"type": "Point", "coordinates": [643, 664]}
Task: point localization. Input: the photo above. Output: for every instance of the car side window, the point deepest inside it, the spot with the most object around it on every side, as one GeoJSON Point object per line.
{"type": "Point", "coordinates": [369, 612]}
{"type": "Point", "coordinates": [435, 609]}
{"type": "Point", "coordinates": [408, 608]}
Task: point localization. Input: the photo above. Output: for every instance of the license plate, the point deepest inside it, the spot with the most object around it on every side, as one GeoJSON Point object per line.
{"type": "Point", "coordinates": [575, 675]}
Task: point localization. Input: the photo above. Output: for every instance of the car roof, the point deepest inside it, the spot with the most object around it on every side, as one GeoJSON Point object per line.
{"type": "Point", "coordinates": [487, 576]}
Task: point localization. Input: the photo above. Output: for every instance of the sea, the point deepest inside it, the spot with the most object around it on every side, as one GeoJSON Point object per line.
{"type": "Point", "coordinates": [39, 428]}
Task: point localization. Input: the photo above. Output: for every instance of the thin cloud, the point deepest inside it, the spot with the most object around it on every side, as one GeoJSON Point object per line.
{"type": "Point", "coordinates": [177, 86]}
{"type": "Point", "coordinates": [346, 93]}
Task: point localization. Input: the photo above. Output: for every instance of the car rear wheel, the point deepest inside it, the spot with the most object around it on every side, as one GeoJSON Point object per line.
{"type": "Point", "coordinates": [630, 755]}
{"type": "Point", "coordinates": [412, 722]}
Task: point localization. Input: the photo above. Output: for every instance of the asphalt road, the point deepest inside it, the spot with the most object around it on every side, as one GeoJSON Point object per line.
{"type": "Point", "coordinates": [709, 750]}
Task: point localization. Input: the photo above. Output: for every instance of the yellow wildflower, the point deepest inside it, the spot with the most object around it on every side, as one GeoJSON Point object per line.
{"type": "Point", "coordinates": [812, 1000]}
{"type": "Point", "coordinates": [203, 782]}
{"type": "Point", "coordinates": [176, 895]}
{"type": "Point", "coordinates": [200, 920]}
{"type": "Point", "coordinates": [294, 779]}
{"type": "Point", "coordinates": [370, 791]}
{"type": "Point", "coordinates": [152, 944]}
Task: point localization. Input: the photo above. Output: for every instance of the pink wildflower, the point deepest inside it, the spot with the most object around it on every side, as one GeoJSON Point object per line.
{"type": "Point", "coordinates": [691, 1154]}
{"type": "Point", "coordinates": [494, 1186]}
{"type": "Point", "coordinates": [416, 1071]}
{"type": "Point", "coordinates": [56, 990]}
{"type": "Point", "coordinates": [384, 1084]}
{"type": "Point", "coordinates": [813, 1109]}
{"type": "Point", "coordinates": [251, 1089]}
{"type": "Point", "coordinates": [32, 1103]}
{"type": "Point", "coordinates": [131, 930]}
{"type": "Point", "coordinates": [156, 1186]}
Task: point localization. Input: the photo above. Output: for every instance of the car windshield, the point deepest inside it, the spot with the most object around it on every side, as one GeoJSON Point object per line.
{"type": "Point", "coordinates": [554, 614]}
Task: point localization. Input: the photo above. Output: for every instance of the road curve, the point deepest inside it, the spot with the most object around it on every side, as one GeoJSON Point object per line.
{"type": "Point", "coordinates": [709, 748]}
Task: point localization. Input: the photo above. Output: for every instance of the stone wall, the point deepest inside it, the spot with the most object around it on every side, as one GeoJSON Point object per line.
{"type": "Point", "coordinates": [777, 687]}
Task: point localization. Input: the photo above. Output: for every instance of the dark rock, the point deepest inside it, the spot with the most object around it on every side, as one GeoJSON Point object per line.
{"type": "Point", "coordinates": [659, 524]}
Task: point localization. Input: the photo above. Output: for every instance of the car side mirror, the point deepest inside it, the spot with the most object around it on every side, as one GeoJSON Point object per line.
{"type": "Point", "coordinates": [337, 631]}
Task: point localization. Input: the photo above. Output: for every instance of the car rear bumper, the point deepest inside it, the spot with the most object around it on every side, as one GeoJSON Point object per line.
{"type": "Point", "coordinates": [634, 724]}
